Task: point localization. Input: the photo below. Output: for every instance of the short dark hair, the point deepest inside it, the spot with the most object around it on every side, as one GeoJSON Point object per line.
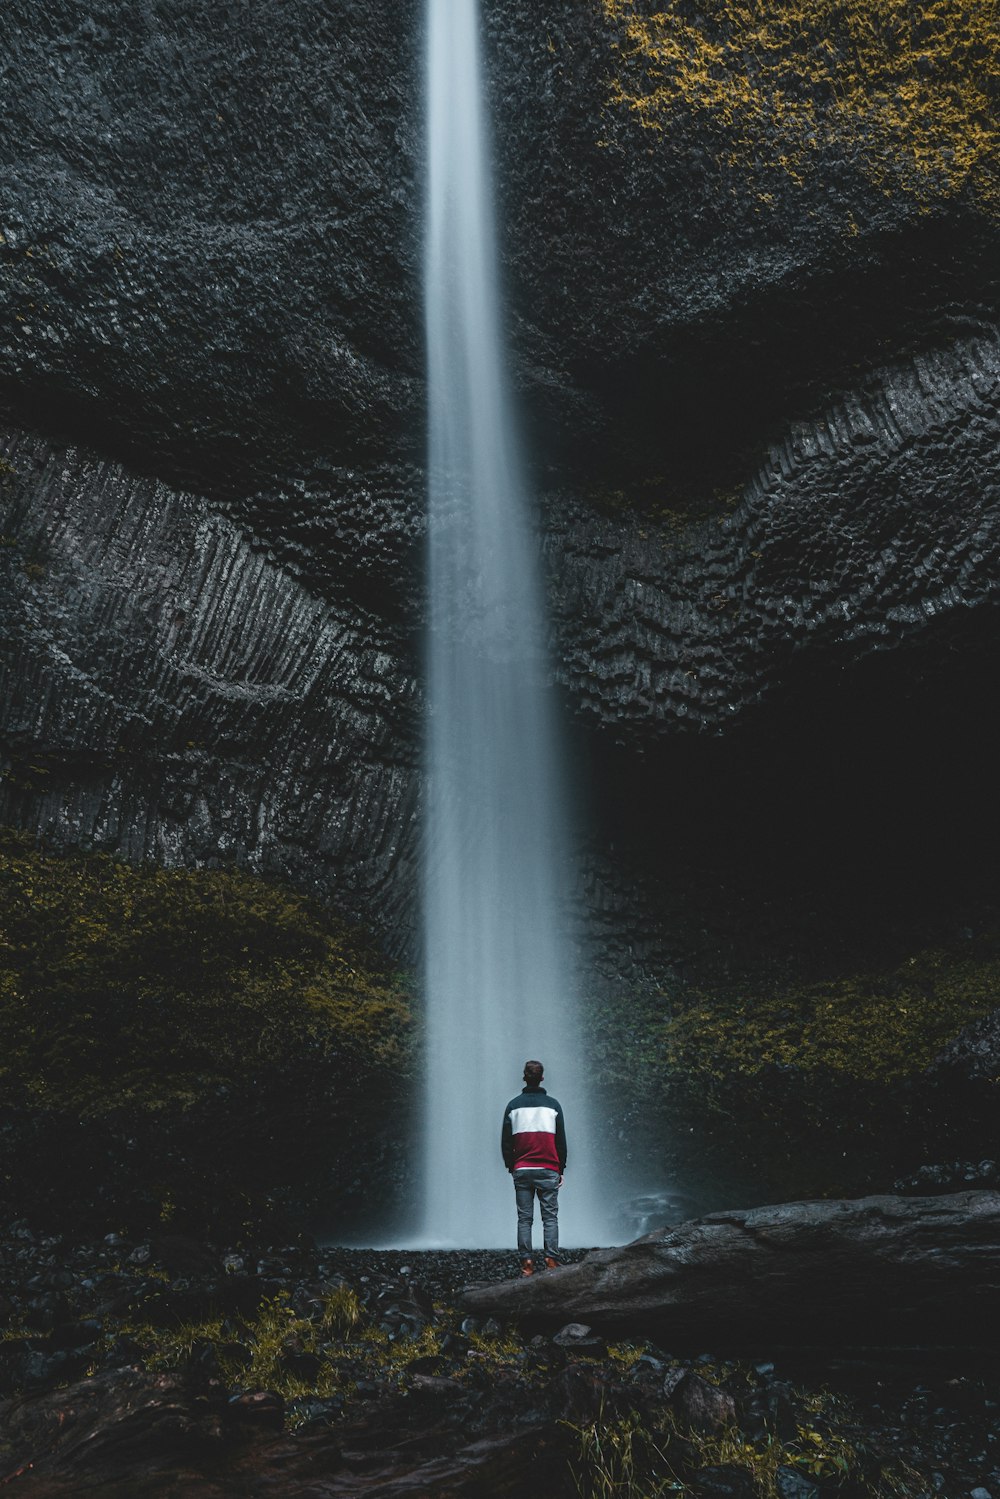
{"type": "Point", "coordinates": [533, 1072]}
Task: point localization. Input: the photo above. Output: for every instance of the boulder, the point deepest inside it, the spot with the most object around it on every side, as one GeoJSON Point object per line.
{"type": "Point", "coordinates": [725, 1481]}
{"type": "Point", "coordinates": [581, 1338]}
{"type": "Point", "coordinates": [973, 1056]}
{"type": "Point", "coordinates": [793, 1485]}
{"type": "Point", "coordinates": [864, 1271]}
{"type": "Point", "coordinates": [703, 1405]}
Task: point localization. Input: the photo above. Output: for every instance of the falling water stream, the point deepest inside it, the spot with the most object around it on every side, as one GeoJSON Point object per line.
{"type": "Point", "coordinates": [499, 970]}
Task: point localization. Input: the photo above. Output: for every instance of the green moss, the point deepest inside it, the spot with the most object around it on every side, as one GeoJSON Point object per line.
{"type": "Point", "coordinates": [271, 1333]}
{"type": "Point", "coordinates": [217, 1024]}
{"type": "Point", "coordinates": [266, 1338]}
{"type": "Point", "coordinates": [622, 1459]}
{"type": "Point", "coordinates": [149, 986]}
{"type": "Point", "coordinates": [341, 1311]}
{"type": "Point", "coordinates": [625, 1355]}
{"type": "Point", "coordinates": [825, 1455]}
{"type": "Point", "coordinates": [499, 1349]}
{"type": "Point", "coordinates": [254, 1356]}
{"type": "Point", "coordinates": [634, 1457]}
{"type": "Point", "coordinates": [906, 89]}
{"type": "Point", "coordinates": [878, 1027]}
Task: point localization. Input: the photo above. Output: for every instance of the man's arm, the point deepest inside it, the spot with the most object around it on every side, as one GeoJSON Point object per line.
{"type": "Point", "coordinates": [507, 1141]}
{"type": "Point", "coordinates": [561, 1140]}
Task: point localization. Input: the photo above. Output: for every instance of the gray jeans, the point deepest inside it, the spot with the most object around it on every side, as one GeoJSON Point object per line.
{"type": "Point", "coordinates": [529, 1182]}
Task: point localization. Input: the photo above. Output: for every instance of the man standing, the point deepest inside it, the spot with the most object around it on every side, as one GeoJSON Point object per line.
{"type": "Point", "coordinates": [533, 1142]}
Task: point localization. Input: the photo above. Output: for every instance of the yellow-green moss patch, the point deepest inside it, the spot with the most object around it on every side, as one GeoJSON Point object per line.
{"type": "Point", "coordinates": [908, 88]}
{"type": "Point", "coordinates": [187, 1046]}
{"type": "Point", "coordinates": [149, 986]}
{"type": "Point", "coordinates": [878, 1027]}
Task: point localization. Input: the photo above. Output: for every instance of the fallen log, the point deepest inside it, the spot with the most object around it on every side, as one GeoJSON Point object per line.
{"type": "Point", "coordinates": [902, 1271]}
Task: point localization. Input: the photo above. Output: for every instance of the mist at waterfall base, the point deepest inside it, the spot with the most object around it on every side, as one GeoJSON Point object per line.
{"type": "Point", "coordinates": [499, 972]}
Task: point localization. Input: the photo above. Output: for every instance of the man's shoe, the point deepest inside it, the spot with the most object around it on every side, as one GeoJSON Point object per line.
{"type": "Point", "coordinates": [527, 1267]}
{"type": "Point", "coordinates": [551, 1263]}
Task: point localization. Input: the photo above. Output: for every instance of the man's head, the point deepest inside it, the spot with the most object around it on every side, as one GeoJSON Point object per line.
{"type": "Point", "coordinates": [533, 1074]}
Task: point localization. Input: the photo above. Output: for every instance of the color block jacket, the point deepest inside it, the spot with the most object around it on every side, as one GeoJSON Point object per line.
{"type": "Point", "coordinates": [534, 1133]}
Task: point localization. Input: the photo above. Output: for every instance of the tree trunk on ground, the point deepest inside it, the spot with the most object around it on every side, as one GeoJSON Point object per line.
{"type": "Point", "coordinates": [881, 1270]}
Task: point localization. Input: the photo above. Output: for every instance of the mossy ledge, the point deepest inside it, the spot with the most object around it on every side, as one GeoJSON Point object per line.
{"type": "Point", "coordinates": [767, 1088]}
{"type": "Point", "coordinates": [187, 1046]}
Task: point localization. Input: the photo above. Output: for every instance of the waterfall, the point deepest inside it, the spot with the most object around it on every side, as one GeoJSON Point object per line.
{"type": "Point", "coordinates": [499, 970]}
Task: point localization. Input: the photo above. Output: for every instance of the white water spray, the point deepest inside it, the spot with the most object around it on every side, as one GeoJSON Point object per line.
{"type": "Point", "coordinates": [500, 975]}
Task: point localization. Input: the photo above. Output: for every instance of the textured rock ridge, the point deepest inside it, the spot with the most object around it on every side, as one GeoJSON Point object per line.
{"type": "Point", "coordinates": [175, 694]}
{"type": "Point", "coordinates": [197, 689]}
{"type": "Point", "coordinates": [859, 529]}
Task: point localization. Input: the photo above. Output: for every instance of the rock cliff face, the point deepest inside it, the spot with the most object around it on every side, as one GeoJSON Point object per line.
{"type": "Point", "coordinates": [176, 695]}
{"type": "Point", "coordinates": [752, 284]}
{"type": "Point", "coordinates": [209, 246]}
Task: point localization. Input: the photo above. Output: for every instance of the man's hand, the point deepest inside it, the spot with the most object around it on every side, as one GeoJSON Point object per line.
{"type": "Point", "coordinates": [559, 1183]}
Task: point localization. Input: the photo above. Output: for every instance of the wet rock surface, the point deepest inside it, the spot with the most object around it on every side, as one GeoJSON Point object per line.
{"type": "Point", "coordinates": [405, 1394]}
{"type": "Point", "coordinates": [972, 1059]}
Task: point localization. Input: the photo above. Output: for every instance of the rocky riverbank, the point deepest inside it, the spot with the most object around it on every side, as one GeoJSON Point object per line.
{"type": "Point", "coordinates": [172, 1366]}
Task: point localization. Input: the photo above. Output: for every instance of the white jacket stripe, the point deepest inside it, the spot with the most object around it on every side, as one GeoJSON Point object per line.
{"type": "Point", "coordinates": [533, 1121]}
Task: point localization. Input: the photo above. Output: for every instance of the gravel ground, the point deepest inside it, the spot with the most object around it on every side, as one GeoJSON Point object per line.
{"type": "Point", "coordinates": [442, 1271]}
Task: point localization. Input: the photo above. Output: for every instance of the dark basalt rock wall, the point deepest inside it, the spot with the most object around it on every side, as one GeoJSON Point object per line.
{"type": "Point", "coordinates": [856, 531]}
{"type": "Point", "coordinates": [758, 360]}
{"type": "Point", "coordinates": [175, 695]}
{"type": "Point", "coordinates": [209, 245]}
